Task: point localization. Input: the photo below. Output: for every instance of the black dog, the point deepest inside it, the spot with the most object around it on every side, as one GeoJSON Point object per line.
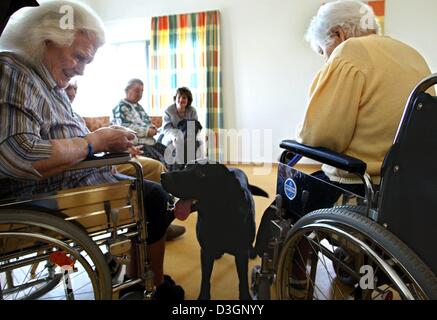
{"type": "Point", "coordinates": [226, 215]}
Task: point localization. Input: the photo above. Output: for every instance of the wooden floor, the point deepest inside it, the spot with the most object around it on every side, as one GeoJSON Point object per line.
{"type": "Point", "coordinates": [182, 259]}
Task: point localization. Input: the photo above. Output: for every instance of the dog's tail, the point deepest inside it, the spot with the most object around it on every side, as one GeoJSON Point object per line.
{"type": "Point", "coordinates": [258, 191]}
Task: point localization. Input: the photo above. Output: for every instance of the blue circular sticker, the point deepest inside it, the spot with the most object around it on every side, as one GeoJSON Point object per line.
{"type": "Point", "coordinates": [290, 189]}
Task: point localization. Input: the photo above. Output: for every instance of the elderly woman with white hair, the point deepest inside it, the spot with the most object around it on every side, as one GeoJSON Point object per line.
{"type": "Point", "coordinates": [42, 48]}
{"type": "Point", "coordinates": [356, 101]}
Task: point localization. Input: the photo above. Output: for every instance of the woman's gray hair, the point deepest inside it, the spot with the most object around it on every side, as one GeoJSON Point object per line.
{"type": "Point", "coordinates": [131, 83]}
{"type": "Point", "coordinates": [58, 21]}
{"type": "Point", "coordinates": [354, 17]}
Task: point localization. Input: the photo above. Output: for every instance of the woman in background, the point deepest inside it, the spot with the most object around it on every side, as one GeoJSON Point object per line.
{"type": "Point", "coordinates": [181, 109]}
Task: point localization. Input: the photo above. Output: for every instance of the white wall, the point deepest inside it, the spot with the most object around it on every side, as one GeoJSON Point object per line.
{"type": "Point", "coordinates": [267, 66]}
{"type": "Point", "coordinates": [414, 22]}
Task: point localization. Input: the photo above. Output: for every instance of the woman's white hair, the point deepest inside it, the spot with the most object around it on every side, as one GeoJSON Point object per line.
{"type": "Point", "coordinates": [354, 17]}
{"type": "Point", "coordinates": [29, 28]}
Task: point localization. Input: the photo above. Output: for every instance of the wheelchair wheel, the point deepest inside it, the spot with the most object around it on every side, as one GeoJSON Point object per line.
{"type": "Point", "coordinates": [38, 250]}
{"type": "Point", "coordinates": [343, 275]}
{"type": "Point", "coordinates": [382, 266]}
{"type": "Point", "coordinates": [345, 256]}
{"type": "Point", "coordinates": [38, 285]}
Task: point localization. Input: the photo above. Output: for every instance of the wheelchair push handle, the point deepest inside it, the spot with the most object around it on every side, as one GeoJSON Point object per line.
{"type": "Point", "coordinates": [413, 101]}
{"type": "Point", "coordinates": [424, 85]}
{"type": "Point", "coordinates": [326, 156]}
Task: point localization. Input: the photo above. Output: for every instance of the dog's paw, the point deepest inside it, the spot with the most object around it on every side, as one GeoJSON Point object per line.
{"type": "Point", "coordinates": [245, 294]}
{"type": "Point", "coordinates": [204, 297]}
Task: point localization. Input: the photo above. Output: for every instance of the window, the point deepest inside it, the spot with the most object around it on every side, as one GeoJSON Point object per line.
{"type": "Point", "coordinates": [102, 86]}
{"type": "Point", "coordinates": [122, 58]}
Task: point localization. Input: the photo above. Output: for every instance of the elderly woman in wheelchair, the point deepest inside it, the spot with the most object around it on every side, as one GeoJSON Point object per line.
{"type": "Point", "coordinates": [312, 250]}
{"type": "Point", "coordinates": [57, 208]}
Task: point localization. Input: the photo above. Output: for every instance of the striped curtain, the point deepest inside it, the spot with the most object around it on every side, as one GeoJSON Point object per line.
{"type": "Point", "coordinates": [185, 51]}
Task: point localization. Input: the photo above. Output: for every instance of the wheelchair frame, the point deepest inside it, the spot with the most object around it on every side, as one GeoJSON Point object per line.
{"type": "Point", "coordinates": [54, 229]}
{"type": "Point", "coordinates": [373, 233]}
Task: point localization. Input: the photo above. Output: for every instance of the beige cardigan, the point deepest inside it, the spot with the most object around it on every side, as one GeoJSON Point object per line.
{"type": "Point", "coordinates": [357, 100]}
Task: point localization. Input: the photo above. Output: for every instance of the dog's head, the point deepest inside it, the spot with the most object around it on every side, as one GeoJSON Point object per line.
{"type": "Point", "coordinates": [199, 181]}
{"type": "Point", "coordinates": [189, 127]}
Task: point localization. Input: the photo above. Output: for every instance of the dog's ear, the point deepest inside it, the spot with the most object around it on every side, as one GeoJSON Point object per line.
{"type": "Point", "coordinates": [198, 126]}
{"type": "Point", "coordinates": [256, 191]}
{"type": "Point", "coordinates": [182, 125]}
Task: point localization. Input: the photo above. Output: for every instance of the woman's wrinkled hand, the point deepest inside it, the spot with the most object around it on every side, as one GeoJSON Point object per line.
{"type": "Point", "coordinates": [152, 131]}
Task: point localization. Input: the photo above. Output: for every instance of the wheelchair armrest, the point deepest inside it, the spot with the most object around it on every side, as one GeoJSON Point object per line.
{"type": "Point", "coordinates": [103, 159]}
{"type": "Point", "coordinates": [332, 158]}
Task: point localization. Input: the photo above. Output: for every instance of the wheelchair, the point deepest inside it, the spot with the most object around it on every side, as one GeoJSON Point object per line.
{"type": "Point", "coordinates": [75, 243]}
{"type": "Point", "coordinates": [379, 246]}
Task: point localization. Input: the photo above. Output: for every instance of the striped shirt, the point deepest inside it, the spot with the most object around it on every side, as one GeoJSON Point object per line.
{"type": "Point", "coordinates": [32, 112]}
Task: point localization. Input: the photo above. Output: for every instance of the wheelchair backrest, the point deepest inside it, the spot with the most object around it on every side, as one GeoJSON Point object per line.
{"type": "Point", "coordinates": [408, 198]}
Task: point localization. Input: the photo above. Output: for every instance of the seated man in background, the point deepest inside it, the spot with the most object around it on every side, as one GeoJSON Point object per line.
{"type": "Point", "coordinates": [130, 114]}
{"type": "Point", "coordinates": [152, 169]}
{"type": "Point", "coordinates": [37, 61]}
{"type": "Point", "coordinates": [356, 100]}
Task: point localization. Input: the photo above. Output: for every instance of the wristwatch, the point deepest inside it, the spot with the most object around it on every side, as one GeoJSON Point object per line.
{"type": "Point", "coordinates": [90, 151]}
{"type": "Point", "coordinates": [90, 148]}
